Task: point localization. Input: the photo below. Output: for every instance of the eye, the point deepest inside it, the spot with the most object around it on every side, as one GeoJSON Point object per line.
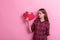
{"type": "Point", "coordinates": [39, 13]}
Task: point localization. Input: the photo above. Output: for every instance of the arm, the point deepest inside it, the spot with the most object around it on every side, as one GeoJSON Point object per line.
{"type": "Point", "coordinates": [32, 27]}
{"type": "Point", "coordinates": [48, 30]}
{"type": "Point", "coordinates": [29, 27]}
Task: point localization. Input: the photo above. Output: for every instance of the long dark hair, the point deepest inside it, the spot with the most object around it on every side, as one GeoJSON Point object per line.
{"type": "Point", "coordinates": [44, 12]}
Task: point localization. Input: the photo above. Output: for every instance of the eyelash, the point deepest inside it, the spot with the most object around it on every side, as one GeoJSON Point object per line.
{"type": "Point", "coordinates": [39, 13]}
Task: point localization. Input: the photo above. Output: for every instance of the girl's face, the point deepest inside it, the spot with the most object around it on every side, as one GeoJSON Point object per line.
{"type": "Point", "coordinates": [41, 15]}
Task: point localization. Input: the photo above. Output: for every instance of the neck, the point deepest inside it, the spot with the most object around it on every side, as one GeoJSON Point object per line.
{"type": "Point", "coordinates": [42, 19]}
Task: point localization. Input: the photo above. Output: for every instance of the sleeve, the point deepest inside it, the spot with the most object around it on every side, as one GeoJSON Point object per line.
{"type": "Point", "coordinates": [33, 27]}
{"type": "Point", "coordinates": [47, 29]}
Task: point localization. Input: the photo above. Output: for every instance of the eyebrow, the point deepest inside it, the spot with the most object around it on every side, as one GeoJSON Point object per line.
{"type": "Point", "coordinates": [39, 13]}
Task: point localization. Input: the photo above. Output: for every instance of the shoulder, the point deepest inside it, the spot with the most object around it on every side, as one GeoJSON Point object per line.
{"type": "Point", "coordinates": [36, 20]}
{"type": "Point", "coordinates": [47, 23]}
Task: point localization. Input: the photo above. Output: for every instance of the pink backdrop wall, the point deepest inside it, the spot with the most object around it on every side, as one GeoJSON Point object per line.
{"type": "Point", "coordinates": [13, 28]}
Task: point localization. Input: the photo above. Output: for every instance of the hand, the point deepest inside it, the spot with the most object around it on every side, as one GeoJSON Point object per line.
{"type": "Point", "coordinates": [47, 37]}
{"type": "Point", "coordinates": [27, 19]}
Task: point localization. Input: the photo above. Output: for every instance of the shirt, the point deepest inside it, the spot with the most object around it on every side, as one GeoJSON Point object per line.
{"type": "Point", "coordinates": [40, 29]}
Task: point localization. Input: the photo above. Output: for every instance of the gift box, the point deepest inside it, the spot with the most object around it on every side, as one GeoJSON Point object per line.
{"type": "Point", "coordinates": [27, 15]}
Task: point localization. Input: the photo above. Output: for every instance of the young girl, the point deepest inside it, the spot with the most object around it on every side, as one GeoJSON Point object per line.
{"type": "Point", "coordinates": [40, 26]}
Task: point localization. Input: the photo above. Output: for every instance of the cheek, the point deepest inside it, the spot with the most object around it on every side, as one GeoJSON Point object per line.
{"type": "Point", "coordinates": [38, 14]}
{"type": "Point", "coordinates": [41, 15]}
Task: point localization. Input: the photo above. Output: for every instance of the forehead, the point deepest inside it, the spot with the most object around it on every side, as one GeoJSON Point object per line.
{"type": "Point", "coordinates": [40, 12]}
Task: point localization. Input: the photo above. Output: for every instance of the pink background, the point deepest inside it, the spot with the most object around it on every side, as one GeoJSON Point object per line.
{"type": "Point", "coordinates": [13, 28]}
